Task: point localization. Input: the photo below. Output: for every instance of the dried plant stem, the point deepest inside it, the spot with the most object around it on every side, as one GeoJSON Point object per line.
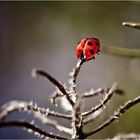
{"type": "Point", "coordinates": [38, 112]}
{"type": "Point", "coordinates": [26, 106]}
{"type": "Point", "coordinates": [115, 116]}
{"type": "Point", "coordinates": [77, 120]}
{"type": "Point", "coordinates": [102, 104]}
{"type": "Point", "coordinates": [121, 51]}
{"type": "Point", "coordinates": [93, 93]}
{"type": "Point", "coordinates": [92, 118]}
{"type": "Point", "coordinates": [55, 82]}
{"type": "Point", "coordinates": [74, 75]}
{"type": "Point", "coordinates": [31, 127]}
{"type": "Point", "coordinates": [54, 124]}
{"type": "Point", "coordinates": [132, 25]}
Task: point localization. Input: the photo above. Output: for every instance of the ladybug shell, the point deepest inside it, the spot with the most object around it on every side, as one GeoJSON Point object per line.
{"type": "Point", "coordinates": [80, 47]}
{"type": "Point", "coordinates": [91, 48]}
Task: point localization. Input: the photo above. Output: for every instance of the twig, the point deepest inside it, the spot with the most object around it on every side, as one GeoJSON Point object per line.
{"type": "Point", "coordinates": [93, 93]}
{"type": "Point", "coordinates": [77, 120]}
{"type": "Point", "coordinates": [25, 106]}
{"type": "Point", "coordinates": [54, 81]}
{"type": "Point", "coordinates": [36, 130]}
{"type": "Point", "coordinates": [53, 123]}
{"type": "Point", "coordinates": [98, 91]}
{"type": "Point", "coordinates": [74, 75]}
{"type": "Point", "coordinates": [92, 118]}
{"type": "Point", "coordinates": [115, 116]}
{"type": "Point", "coordinates": [130, 136]}
{"type": "Point", "coordinates": [121, 51]}
{"type": "Point", "coordinates": [105, 100]}
{"type": "Point", "coordinates": [132, 25]}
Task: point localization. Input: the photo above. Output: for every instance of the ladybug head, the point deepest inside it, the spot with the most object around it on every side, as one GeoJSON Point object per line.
{"type": "Point", "coordinates": [79, 49]}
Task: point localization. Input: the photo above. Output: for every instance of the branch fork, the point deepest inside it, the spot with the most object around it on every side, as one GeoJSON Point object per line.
{"type": "Point", "coordinates": [78, 119]}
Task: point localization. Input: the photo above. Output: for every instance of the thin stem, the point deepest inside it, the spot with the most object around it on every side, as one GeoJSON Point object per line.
{"type": "Point", "coordinates": [29, 126]}
{"type": "Point", "coordinates": [74, 75]}
{"type": "Point", "coordinates": [53, 124]}
{"type": "Point", "coordinates": [121, 51]}
{"type": "Point", "coordinates": [55, 82]}
{"type": "Point", "coordinates": [25, 106]}
{"type": "Point", "coordinates": [77, 120]}
{"type": "Point", "coordinates": [92, 118]}
{"type": "Point", "coordinates": [93, 93]}
{"type": "Point", "coordinates": [115, 116]}
{"type": "Point", "coordinates": [132, 25]}
{"type": "Point", "coordinates": [102, 104]}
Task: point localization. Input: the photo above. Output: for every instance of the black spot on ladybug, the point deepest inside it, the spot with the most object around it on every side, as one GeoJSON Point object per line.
{"type": "Point", "coordinates": [90, 43]}
{"type": "Point", "coordinates": [91, 51]}
{"type": "Point", "coordinates": [97, 43]}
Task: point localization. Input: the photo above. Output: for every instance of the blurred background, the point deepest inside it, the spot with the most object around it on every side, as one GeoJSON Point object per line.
{"type": "Point", "coordinates": [44, 35]}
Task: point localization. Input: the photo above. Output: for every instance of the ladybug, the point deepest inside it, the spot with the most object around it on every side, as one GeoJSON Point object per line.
{"type": "Point", "coordinates": [87, 48]}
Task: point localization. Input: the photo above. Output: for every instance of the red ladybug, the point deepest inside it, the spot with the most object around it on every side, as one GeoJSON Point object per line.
{"type": "Point", "coordinates": [87, 48]}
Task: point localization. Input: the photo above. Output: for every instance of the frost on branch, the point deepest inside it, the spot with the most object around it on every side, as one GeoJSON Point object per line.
{"type": "Point", "coordinates": [77, 118]}
{"type": "Point", "coordinates": [70, 101]}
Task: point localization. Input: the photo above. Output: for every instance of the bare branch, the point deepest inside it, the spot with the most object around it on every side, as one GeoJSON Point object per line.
{"type": "Point", "coordinates": [115, 116]}
{"type": "Point", "coordinates": [92, 117]}
{"type": "Point", "coordinates": [131, 136]}
{"type": "Point", "coordinates": [102, 104]}
{"type": "Point", "coordinates": [76, 120]}
{"type": "Point", "coordinates": [74, 75]}
{"type": "Point", "coordinates": [98, 91]}
{"type": "Point", "coordinates": [32, 128]}
{"type": "Point", "coordinates": [120, 51]}
{"type": "Point", "coordinates": [132, 25]}
{"type": "Point", "coordinates": [25, 106]}
{"type": "Point", "coordinates": [53, 123]}
{"type": "Point", "coordinates": [54, 81]}
{"type": "Point", "coordinates": [93, 93]}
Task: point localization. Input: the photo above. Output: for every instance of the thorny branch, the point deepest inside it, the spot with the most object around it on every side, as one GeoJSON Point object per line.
{"type": "Point", "coordinates": [53, 124]}
{"type": "Point", "coordinates": [28, 107]}
{"type": "Point", "coordinates": [38, 112]}
{"type": "Point", "coordinates": [54, 81]}
{"type": "Point", "coordinates": [93, 93]}
{"type": "Point", "coordinates": [74, 75]}
{"type": "Point", "coordinates": [31, 127]}
{"type": "Point", "coordinates": [78, 119]}
{"type": "Point", "coordinates": [92, 117]}
{"type": "Point", "coordinates": [72, 81]}
{"type": "Point", "coordinates": [108, 96]}
{"type": "Point", "coordinates": [115, 116]}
